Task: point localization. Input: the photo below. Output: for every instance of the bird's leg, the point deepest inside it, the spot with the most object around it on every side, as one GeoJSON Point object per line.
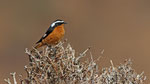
{"type": "Point", "coordinates": [55, 50]}
{"type": "Point", "coordinates": [50, 46]}
{"type": "Point", "coordinates": [52, 49]}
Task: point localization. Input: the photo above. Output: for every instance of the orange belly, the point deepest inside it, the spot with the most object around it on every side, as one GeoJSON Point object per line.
{"type": "Point", "coordinates": [55, 36]}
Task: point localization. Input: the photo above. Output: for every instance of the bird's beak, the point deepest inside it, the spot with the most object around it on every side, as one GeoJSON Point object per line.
{"type": "Point", "coordinates": [65, 23]}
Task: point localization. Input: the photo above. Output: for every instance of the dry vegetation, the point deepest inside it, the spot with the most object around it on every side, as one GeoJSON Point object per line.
{"type": "Point", "coordinates": [61, 65]}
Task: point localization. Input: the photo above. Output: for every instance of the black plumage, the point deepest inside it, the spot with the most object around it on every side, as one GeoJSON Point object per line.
{"type": "Point", "coordinates": [51, 28]}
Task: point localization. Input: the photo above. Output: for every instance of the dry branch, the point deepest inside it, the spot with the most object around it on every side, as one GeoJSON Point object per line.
{"type": "Point", "coordinates": [61, 65]}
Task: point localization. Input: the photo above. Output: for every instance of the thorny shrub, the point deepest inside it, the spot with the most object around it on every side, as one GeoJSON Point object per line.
{"type": "Point", "coordinates": [60, 65]}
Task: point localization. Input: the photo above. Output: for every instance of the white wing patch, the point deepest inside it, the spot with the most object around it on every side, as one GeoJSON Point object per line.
{"type": "Point", "coordinates": [53, 24]}
{"type": "Point", "coordinates": [44, 35]}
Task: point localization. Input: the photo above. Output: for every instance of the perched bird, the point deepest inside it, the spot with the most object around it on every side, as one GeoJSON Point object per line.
{"type": "Point", "coordinates": [53, 35]}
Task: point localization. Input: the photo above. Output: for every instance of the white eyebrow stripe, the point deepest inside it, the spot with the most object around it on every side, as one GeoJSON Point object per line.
{"type": "Point", "coordinates": [53, 24]}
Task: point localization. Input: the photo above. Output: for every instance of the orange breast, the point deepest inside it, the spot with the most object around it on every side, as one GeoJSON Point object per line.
{"type": "Point", "coordinates": [54, 37]}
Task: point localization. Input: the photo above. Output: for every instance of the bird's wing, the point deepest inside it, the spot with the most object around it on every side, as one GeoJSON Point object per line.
{"type": "Point", "coordinates": [46, 34]}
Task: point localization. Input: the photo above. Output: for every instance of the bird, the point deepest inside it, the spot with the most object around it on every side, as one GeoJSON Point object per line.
{"type": "Point", "coordinates": [53, 35]}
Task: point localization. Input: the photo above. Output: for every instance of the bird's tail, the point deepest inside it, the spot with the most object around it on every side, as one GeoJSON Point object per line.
{"type": "Point", "coordinates": [38, 45]}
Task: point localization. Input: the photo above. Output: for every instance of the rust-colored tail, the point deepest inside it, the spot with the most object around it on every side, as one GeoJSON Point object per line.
{"type": "Point", "coordinates": [39, 45]}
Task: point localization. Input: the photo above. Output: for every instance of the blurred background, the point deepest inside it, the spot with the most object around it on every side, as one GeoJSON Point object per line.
{"type": "Point", "coordinates": [120, 27]}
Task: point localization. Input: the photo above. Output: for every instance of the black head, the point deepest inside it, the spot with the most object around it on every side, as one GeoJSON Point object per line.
{"type": "Point", "coordinates": [57, 22]}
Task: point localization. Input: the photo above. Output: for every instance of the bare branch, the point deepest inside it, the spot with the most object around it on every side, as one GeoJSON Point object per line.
{"type": "Point", "coordinates": [14, 77]}
{"type": "Point", "coordinates": [7, 80]}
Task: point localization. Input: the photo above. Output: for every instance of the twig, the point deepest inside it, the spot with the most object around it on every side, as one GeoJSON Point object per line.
{"type": "Point", "coordinates": [14, 77]}
{"type": "Point", "coordinates": [7, 80]}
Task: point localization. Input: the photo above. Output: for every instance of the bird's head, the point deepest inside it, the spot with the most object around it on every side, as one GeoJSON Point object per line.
{"type": "Point", "coordinates": [57, 22]}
